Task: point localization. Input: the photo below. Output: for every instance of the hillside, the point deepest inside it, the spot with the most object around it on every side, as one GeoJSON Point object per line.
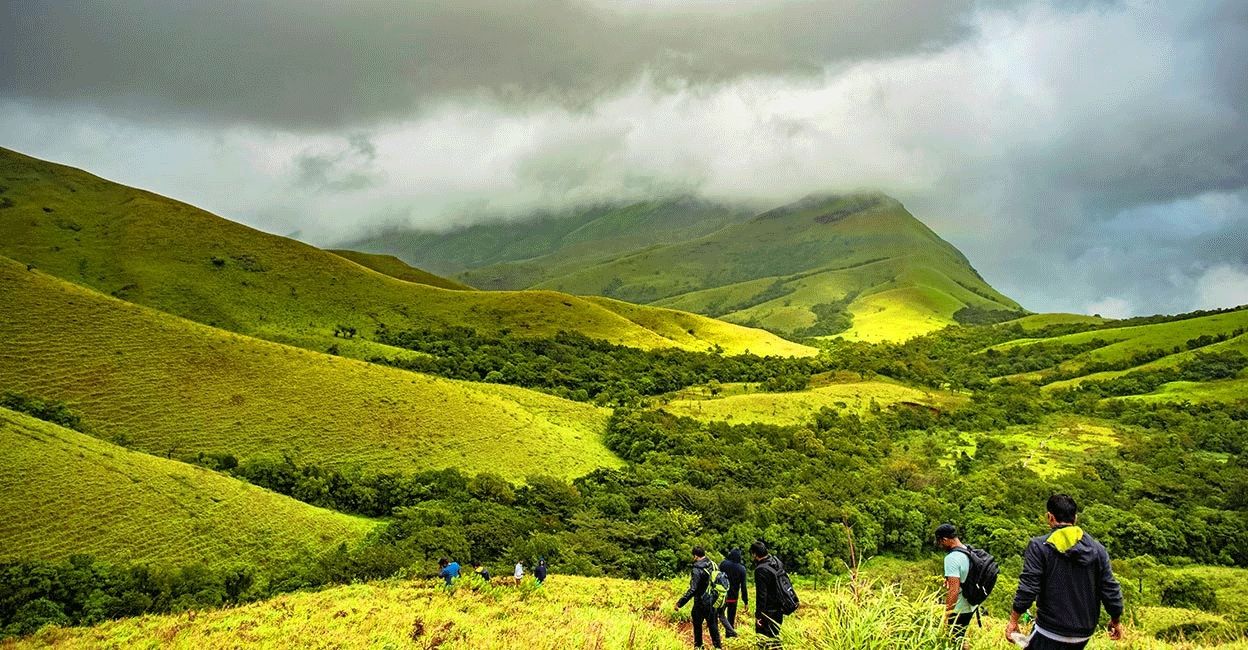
{"type": "Point", "coordinates": [508, 254]}
{"type": "Point", "coordinates": [66, 493]}
{"type": "Point", "coordinates": [170, 386]}
{"type": "Point", "coordinates": [400, 270]}
{"type": "Point", "coordinates": [858, 266]}
{"type": "Point", "coordinates": [158, 252]}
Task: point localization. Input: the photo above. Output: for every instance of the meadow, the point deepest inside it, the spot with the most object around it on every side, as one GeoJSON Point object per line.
{"type": "Point", "coordinates": [171, 387]}
{"type": "Point", "coordinates": [67, 493]}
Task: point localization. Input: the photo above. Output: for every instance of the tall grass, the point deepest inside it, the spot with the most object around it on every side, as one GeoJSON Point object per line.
{"type": "Point", "coordinates": [879, 617]}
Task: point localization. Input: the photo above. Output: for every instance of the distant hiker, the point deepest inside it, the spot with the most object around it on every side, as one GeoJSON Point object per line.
{"type": "Point", "coordinates": [698, 592]}
{"type": "Point", "coordinates": [735, 570]}
{"type": "Point", "coordinates": [1067, 574]}
{"type": "Point", "coordinates": [481, 571]}
{"type": "Point", "coordinates": [540, 571]}
{"type": "Point", "coordinates": [450, 570]}
{"type": "Point", "coordinates": [958, 565]}
{"type": "Point", "coordinates": [774, 596]}
{"type": "Point", "coordinates": [519, 574]}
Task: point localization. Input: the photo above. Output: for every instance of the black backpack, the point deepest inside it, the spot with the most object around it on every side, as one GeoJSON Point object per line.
{"type": "Point", "coordinates": [982, 576]}
{"type": "Point", "coordinates": [785, 594]}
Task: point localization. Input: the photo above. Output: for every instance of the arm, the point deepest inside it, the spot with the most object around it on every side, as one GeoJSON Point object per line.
{"type": "Point", "coordinates": [745, 588]}
{"type": "Point", "coordinates": [692, 591]}
{"type": "Point", "coordinates": [953, 587]}
{"type": "Point", "coordinates": [1028, 586]}
{"type": "Point", "coordinates": [1111, 596]}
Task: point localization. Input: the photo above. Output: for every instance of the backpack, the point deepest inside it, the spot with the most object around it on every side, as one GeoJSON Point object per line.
{"type": "Point", "coordinates": [717, 585]}
{"type": "Point", "coordinates": [981, 577]}
{"type": "Point", "coordinates": [785, 594]}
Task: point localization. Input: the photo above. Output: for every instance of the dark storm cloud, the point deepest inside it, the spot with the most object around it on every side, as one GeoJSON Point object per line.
{"type": "Point", "coordinates": [298, 64]}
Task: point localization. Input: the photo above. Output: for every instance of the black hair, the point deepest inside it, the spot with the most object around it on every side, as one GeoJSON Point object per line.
{"type": "Point", "coordinates": [1063, 508]}
{"type": "Point", "coordinates": [698, 551]}
{"type": "Point", "coordinates": [758, 549]}
{"type": "Point", "coordinates": [443, 562]}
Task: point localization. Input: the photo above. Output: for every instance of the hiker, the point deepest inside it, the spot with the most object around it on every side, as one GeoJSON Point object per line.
{"type": "Point", "coordinates": [519, 574]}
{"type": "Point", "coordinates": [768, 609]}
{"type": "Point", "coordinates": [699, 585]}
{"type": "Point", "coordinates": [1067, 574]}
{"type": "Point", "coordinates": [450, 570]}
{"type": "Point", "coordinates": [958, 612]}
{"type": "Point", "coordinates": [735, 569]}
{"type": "Point", "coordinates": [540, 571]}
{"type": "Point", "coordinates": [481, 571]}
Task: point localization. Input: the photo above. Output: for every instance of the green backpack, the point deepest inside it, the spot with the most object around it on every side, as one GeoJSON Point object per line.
{"type": "Point", "coordinates": [716, 588]}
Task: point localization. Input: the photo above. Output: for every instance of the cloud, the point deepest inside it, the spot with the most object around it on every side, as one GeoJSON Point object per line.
{"type": "Point", "coordinates": [1109, 308]}
{"type": "Point", "coordinates": [307, 65]}
{"type": "Point", "coordinates": [1223, 286]}
{"type": "Point", "coordinates": [1075, 151]}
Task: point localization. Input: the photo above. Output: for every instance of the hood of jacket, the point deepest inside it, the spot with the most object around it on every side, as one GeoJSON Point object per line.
{"type": "Point", "coordinates": [735, 555]}
{"type": "Point", "coordinates": [1072, 543]}
{"type": "Point", "coordinates": [702, 564]}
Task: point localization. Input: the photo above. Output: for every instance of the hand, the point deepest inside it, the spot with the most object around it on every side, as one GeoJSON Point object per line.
{"type": "Point", "coordinates": [1115, 630]}
{"type": "Point", "coordinates": [1012, 627]}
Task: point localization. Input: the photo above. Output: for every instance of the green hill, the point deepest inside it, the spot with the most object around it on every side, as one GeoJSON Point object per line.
{"type": "Point", "coordinates": [400, 270]}
{"type": "Point", "coordinates": [519, 253]}
{"type": "Point", "coordinates": [858, 266]}
{"type": "Point", "coordinates": [66, 492]}
{"type": "Point", "coordinates": [173, 387]}
{"type": "Point", "coordinates": [158, 252]}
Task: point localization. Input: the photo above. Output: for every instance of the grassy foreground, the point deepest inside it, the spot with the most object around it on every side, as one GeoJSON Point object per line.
{"type": "Point", "coordinates": [568, 612]}
{"type": "Point", "coordinates": [67, 493]}
{"type": "Point", "coordinates": [171, 387]}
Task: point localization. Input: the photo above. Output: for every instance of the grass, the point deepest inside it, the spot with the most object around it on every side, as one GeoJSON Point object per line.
{"type": "Point", "coordinates": [400, 270]}
{"type": "Point", "coordinates": [568, 612]}
{"type": "Point", "coordinates": [158, 252]}
{"type": "Point", "coordinates": [1057, 445]}
{"type": "Point", "coordinates": [798, 407]}
{"type": "Point", "coordinates": [1034, 322]}
{"type": "Point", "coordinates": [66, 492]}
{"type": "Point", "coordinates": [1229, 390]}
{"type": "Point", "coordinates": [172, 387]}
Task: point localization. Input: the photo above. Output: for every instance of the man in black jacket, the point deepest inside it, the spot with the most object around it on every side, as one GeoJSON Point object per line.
{"type": "Point", "coordinates": [735, 571]}
{"type": "Point", "coordinates": [768, 614]}
{"type": "Point", "coordinates": [1067, 574]}
{"type": "Point", "coordinates": [699, 583]}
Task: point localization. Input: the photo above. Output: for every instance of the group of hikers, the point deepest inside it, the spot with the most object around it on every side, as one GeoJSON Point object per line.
{"type": "Point", "coordinates": [1066, 574]}
{"type": "Point", "coordinates": [449, 571]}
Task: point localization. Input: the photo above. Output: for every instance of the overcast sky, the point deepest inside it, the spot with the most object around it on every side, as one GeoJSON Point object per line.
{"type": "Point", "coordinates": [1087, 156]}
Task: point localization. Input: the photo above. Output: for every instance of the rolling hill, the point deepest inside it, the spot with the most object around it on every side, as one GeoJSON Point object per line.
{"type": "Point", "coordinates": [169, 386]}
{"type": "Point", "coordinates": [400, 270]}
{"type": "Point", "coordinates": [66, 493]}
{"type": "Point", "coordinates": [858, 266]}
{"type": "Point", "coordinates": [158, 252]}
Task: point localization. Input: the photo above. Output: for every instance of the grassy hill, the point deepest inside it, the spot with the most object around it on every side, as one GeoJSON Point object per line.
{"type": "Point", "coordinates": [66, 492]}
{"type": "Point", "coordinates": [400, 270]}
{"type": "Point", "coordinates": [170, 386]}
{"type": "Point", "coordinates": [518, 253]}
{"type": "Point", "coordinates": [574, 612]}
{"type": "Point", "coordinates": [158, 252]}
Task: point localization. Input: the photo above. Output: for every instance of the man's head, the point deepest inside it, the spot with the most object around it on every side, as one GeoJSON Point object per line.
{"type": "Point", "coordinates": [699, 552]}
{"type": "Point", "coordinates": [1062, 510]}
{"type": "Point", "coordinates": [476, 564]}
{"type": "Point", "coordinates": [443, 562]}
{"type": "Point", "coordinates": [947, 536]}
{"type": "Point", "coordinates": [758, 550]}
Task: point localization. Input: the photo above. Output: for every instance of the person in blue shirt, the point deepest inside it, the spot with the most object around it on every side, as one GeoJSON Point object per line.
{"type": "Point", "coordinates": [958, 612]}
{"type": "Point", "coordinates": [450, 570]}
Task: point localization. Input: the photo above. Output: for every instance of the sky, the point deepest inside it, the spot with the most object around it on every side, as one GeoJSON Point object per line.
{"type": "Point", "coordinates": [1087, 156]}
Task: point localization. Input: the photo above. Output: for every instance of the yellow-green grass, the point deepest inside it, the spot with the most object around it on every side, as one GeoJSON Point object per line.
{"type": "Point", "coordinates": [1034, 322]}
{"type": "Point", "coordinates": [397, 268]}
{"type": "Point", "coordinates": [1123, 343]}
{"type": "Point", "coordinates": [1236, 344]}
{"type": "Point", "coordinates": [158, 252]}
{"type": "Point", "coordinates": [799, 407]}
{"type": "Point", "coordinates": [1056, 445]}
{"type": "Point", "coordinates": [169, 385]}
{"type": "Point", "coordinates": [1229, 583]}
{"type": "Point", "coordinates": [67, 493]}
{"type": "Point", "coordinates": [567, 612]}
{"type": "Point", "coordinates": [1229, 390]}
{"type": "Point", "coordinates": [773, 270]}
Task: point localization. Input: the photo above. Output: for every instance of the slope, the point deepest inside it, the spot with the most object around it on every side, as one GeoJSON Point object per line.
{"type": "Point", "coordinates": [802, 269]}
{"type": "Point", "coordinates": [400, 270]}
{"type": "Point", "coordinates": [173, 387]}
{"type": "Point", "coordinates": [515, 254]}
{"type": "Point", "coordinates": [66, 492]}
{"type": "Point", "coordinates": [158, 252]}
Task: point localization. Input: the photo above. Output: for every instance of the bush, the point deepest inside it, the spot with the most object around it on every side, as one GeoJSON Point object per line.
{"type": "Point", "coordinates": [1190, 592]}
